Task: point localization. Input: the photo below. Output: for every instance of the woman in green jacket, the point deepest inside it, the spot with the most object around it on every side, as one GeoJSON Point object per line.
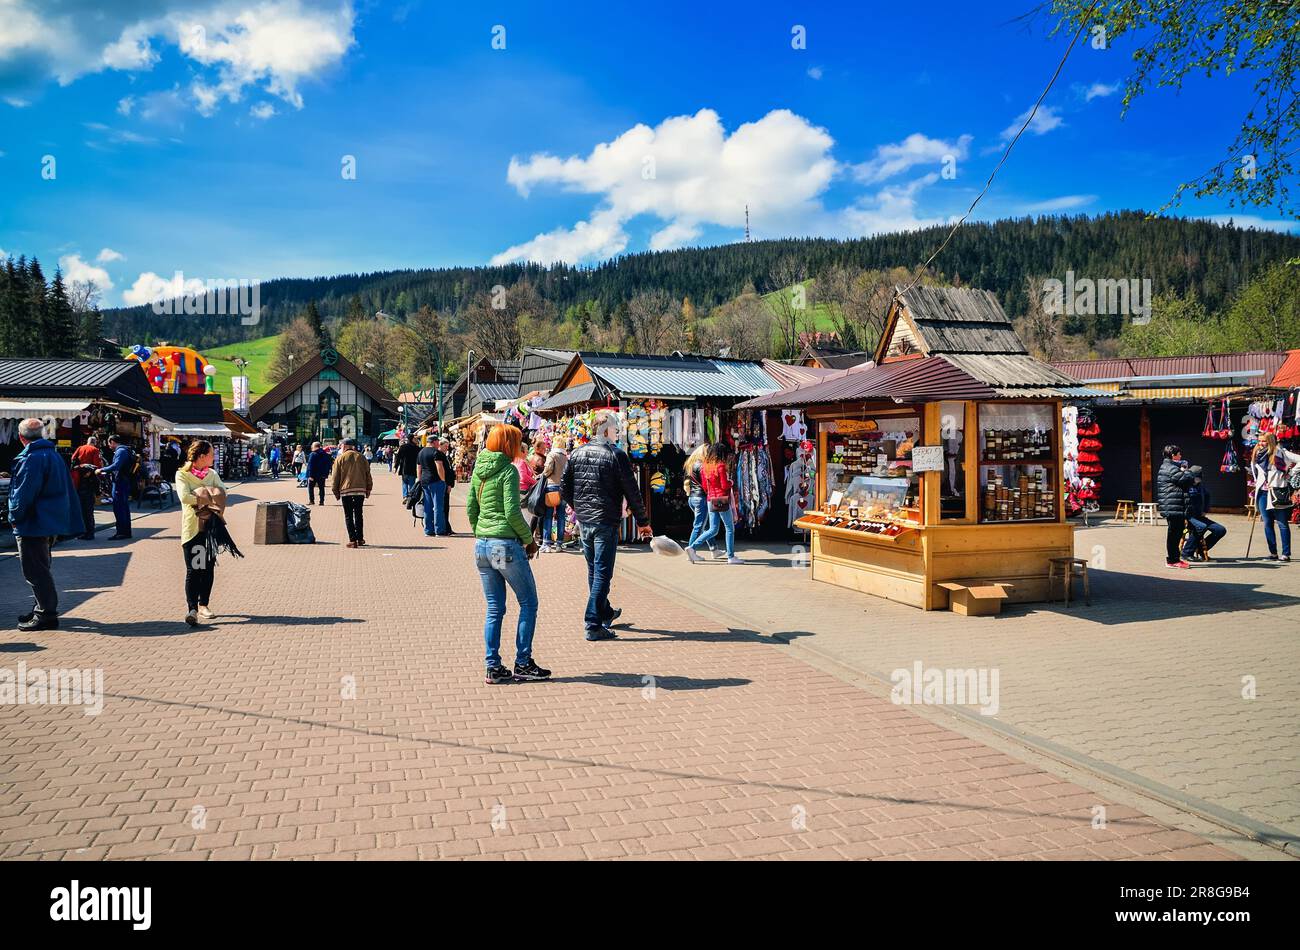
{"type": "Point", "coordinates": [502, 548]}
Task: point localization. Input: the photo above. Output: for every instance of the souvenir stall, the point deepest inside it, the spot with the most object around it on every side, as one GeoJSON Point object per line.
{"type": "Point", "coordinates": [1080, 445]}
{"type": "Point", "coordinates": [1237, 422]}
{"type": "Point", "coordinates": [926, 475]}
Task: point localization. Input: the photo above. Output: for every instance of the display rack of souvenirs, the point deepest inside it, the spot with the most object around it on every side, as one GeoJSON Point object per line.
{"type": "Point", "coordinates": [1080, 445]}
{"type": "Point", "coordinates": [754, 480]}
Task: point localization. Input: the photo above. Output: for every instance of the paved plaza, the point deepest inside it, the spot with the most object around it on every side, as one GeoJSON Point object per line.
{"type": "Point", "coordinates": [336, 709]}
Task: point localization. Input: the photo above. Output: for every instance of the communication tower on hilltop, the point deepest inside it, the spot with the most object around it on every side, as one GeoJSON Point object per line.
{"type": "Point", "coordinates": [746, 224]}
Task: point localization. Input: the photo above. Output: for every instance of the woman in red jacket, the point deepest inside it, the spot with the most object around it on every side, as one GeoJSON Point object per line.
{"type": "Point", "coordinates": [715, 476]}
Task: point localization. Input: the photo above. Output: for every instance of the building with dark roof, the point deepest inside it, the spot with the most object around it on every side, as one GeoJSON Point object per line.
{"type": "Point", "coordinates": [327, 398]}
{"type": "Point", "coordinates": [477, 391]}
{"type": "Point", "coordinates": [593, 377]}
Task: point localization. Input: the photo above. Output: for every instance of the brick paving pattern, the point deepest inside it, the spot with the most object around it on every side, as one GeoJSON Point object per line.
{"type": "Point", "coordinates": [686, 738]}
{"type": "Point", "coordinates": [1149, 679]}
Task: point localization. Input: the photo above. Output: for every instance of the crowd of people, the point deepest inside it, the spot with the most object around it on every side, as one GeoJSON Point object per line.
{"type": "Point", "coordinates": [518, 501]}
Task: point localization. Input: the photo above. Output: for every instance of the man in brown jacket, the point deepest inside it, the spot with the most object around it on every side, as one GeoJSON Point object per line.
{"type": "Point", "coordinates": [351, 484]}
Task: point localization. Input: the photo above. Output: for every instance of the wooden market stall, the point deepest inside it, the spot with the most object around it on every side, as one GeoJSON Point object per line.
{"type": "Point", "coordinates": [940, 460]}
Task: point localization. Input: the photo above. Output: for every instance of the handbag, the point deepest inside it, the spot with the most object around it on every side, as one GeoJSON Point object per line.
{"type": "Point", "coordinates": [553, 499]}
{"type": "Point", "coordinates": [1280, 497]}
{"type": "Point", "coordinates": [535, 500]}
{"type": "Point", "coordinates": [722, 503]}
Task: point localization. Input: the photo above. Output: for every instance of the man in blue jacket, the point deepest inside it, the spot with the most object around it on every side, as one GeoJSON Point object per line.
{"type": "Point", "coordinates": [319, 464]}
{"type": "Point", "coordinates": [42, 507]}
{"type": "Point", "coordinates": [122, 469]}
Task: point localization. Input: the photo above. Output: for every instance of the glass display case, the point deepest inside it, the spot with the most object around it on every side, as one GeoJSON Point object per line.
{"type": "Point", "coordinates": [880, 447]}
{"type": "Point", "coordinates": [1017, 451]}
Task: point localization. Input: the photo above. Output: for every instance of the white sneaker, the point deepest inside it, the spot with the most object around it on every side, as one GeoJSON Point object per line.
{"type": "Point", "coordinates": [192, 618]}
{"type": "Point", "coordinates": [719, 554]}
{"type": "Point", "coordinates": [734, 560]}
{"type": "Point", "coordinates": [692, 556]}
{"type": "Point", "coordinates": [205, 613]}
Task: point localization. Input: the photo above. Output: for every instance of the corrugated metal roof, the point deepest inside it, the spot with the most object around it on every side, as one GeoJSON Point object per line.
{"type": "Point", "coordinates": [1269, 361]}
{"type": "Point", "coordinates": [923, 380]}
{"type": "Point", "coordinates": [1288, 374]}
{"type": "Point", "coordinates": [62, 374]}
{"type": "Point", "coordinates": [748, 374]}
{"type": "Point", "coordinates": [679, 376]}
{"type": "Point", "coordinates": [1008, 369]}
{"type": "Point", "coordinates": [572, 396]}
{"type": "Point", "coordinates": [788, 375]}
{"type": "Point", "coordinates": [491, 392]}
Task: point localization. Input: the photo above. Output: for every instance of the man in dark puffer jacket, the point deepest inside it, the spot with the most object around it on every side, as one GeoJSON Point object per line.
{"type": "Point", "coordinates": [1172, 482]}
{"type": "Point", "coordinates": [596, 482]}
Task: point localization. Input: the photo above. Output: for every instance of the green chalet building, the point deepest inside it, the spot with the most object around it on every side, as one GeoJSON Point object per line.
{"type": "Point", "coordinates": [328, 399]}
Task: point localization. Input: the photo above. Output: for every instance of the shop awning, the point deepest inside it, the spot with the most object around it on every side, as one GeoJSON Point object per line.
{"type": "Point", "coordinates": [40, 408]}
{"type": "Point", "coordinates": [196, 430]}
{"type": "Point", "coordinates": [390, 434]}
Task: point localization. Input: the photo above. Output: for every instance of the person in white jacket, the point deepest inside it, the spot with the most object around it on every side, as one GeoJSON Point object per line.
{"type": "Point", "coordinates": [1270, 465]}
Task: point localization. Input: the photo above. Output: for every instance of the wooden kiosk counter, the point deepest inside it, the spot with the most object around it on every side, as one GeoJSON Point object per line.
{"type": "Point", "coordinates": [934, 469]}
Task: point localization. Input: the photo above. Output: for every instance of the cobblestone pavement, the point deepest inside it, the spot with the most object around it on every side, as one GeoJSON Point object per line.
{"type": "Point", "coordinates": [1146, 684]}
{"type": "Point", "coordinates": [335, 709]}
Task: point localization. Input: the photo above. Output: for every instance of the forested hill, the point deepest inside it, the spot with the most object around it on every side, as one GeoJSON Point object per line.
{"type": "Point", "coordinates": [1177, 254]}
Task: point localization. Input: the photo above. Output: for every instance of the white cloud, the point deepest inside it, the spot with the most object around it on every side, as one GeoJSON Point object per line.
{"type": "Point", "coordinates": [1099, 90]}
{"type": "Point", "coordinates": [17, 102]}
{"type": "Point", "coordinates": [815, 72]}
{"type": "Point", "coordinates": [77, 271]}
{"type": "Point", "coordinates": [125, 105]}
{"type": "Point", "coordinates": [1045, 120]}
{"type": "Point", "coordinates": [263, 110]}
{"type": "Point", "coordinates": [1063, 203]}
{"type": "Point", "coordinates": [893, 208]}
{"type": "Point", "coordinates": [916, 149]}
{"type": "Point", "coordinates": [108, 255]}
{"type": "Point", "coordinates": [1252, 221]}
{"type": "Point", "coordinates": [149, 287]}
{"type": "Point", "coordinates": [687, 171]}
{"type": "Point", "coordinates": [275, 45]}
{"type": "Point", "coordinates": [677, 234]}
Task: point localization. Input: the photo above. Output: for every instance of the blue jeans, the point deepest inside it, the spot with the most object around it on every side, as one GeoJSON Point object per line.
{"type": "Point", "coordinates": [717, 520]}
{"type": "Point", "coordinates": [435, 515]}
{"type": "Point", "coordinates": [553, 516]}
{"type": "Point", "coordinates": [408, 482]}
{"type": "Point", "coordinates": [599, 547]}
{"type": "Point", "coordinates": [699, 508]}
{"type": "Point", "coordinates": [122, 505]}
{"type": "Point", "coordinates": [503, 561]}
{"type": "Point", "coordinates": [1271, 517]}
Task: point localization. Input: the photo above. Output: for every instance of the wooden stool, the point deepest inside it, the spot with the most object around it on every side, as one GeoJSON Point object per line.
{"type": "Point", "coordinates": [1147, 514]}
{"type": "Point", "coordinates": [1123, 510]}
{"type": "Point", "coordinates": [1065, 566]}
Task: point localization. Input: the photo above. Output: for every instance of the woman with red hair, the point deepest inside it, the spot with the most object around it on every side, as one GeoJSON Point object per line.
{"type": "Point", "coordinates": [502, 548]}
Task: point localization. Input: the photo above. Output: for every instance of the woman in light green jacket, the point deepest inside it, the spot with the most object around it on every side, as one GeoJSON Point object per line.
{"type": "Point", "coordinates": [200, 566]}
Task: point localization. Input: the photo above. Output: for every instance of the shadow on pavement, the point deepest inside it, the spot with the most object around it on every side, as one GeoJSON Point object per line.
{"type": "Point", "coordinates": [20, 647]}
{"type": "Point", "coordinates": [176, 628]}
{"type": "Point", "coordinates": [642, 680]}
{"type": "Point", "coordinates": [733, 635]}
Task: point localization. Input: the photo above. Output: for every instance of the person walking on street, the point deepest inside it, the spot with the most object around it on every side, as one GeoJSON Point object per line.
{"type": "Point", "coordinates": [87, 460]}
{"type": "Point", "coordinates": [319, 464]}
{"type": "Point", "coordinates": [352, 484]}
{"type": "Point", "coordinates": [122, 470]}
{"type": "Point", "coordinates": [299, 460]}
{"type": "Point", "coordinates": [444, 446]}
{"type": "Point", "coordinates": [274, 460]}
{"type": "Point", "coordinates": [42, 508]}
{"type": "Point", "coordinates": [431, 470]}
{"type": "Point", "coordinates": [197, 485]}
{"type": "Point", "coordinates": [715, 477]}
{"type": "Point", "coordinates": [1270, 465]}
{"type": "Point", "coordinates": [695, 496]}
{"type": "Point", "coordinates": [596, 484]}
{"type": "Point", "coordinates": [557, 460]}
{"type": "Point", "coordinates": [1200, 527]}
{"type": "Point", "coordinates": [1172, 482]}
{"type": "Point", "coordinates": [407, 464]}
{"type": "Point", "coordinates": [502, 547]}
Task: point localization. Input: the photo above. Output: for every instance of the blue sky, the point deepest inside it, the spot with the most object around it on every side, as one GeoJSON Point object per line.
{"type": "Point", "coordinates": [208, 136]}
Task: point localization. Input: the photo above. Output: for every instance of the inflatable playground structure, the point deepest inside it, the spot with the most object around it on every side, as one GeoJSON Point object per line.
{"type": "Point", "coordinates": [175, 369]}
